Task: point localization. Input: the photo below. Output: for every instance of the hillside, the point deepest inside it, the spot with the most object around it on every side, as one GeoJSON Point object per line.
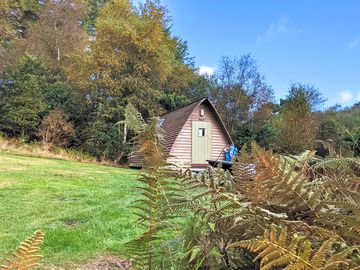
{"type": "Point", "coordinates": [82, 208]}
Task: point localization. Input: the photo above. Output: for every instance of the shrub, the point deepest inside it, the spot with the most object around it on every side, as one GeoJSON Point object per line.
{"type": "Point", "coordinates": [55, 130]}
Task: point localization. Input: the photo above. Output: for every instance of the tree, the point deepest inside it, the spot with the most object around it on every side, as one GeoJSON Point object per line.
{"type": "Point", "coordinates": [182, 74]}
{"type": "Point", "coordinates": [103, 137]}
{"type": "Point", "coordinates": [94, 10]}
{"type": "Point", "coordinates": [339, 126]}
{"type": "Point", "coordinates": [298, 121]}
{"type": "Point", "coordinates": [183, 85]}
{"type": "Point", "coordinates": [173, 101]}
{"type": "Point", "coordinates": [327, 135]}
{"type": "Point", "coordinates": [133, 58]}
{"type": "Point", "coordinates": [312, 97]}
{"type": "Point", "coordinates": [15, 16]}
{"type": "Point", "coordinates": [245, 133]}
{"type": "Point", "coordinates": [7, 31]}
{"type": "Point", "coordinates": [239, 90]}
{"type": "Point", "coordinates": [266, 135]}
{"type": "Point", "coordinates": [56, 33]}
{"type": "Point", "coordinates": [199, 87]}
{"type": "Point", "coordinates": [22, 102]}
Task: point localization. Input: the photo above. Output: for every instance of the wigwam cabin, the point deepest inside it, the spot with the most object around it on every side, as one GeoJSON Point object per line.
{"type": "Point", "coordinates": [193, 134]}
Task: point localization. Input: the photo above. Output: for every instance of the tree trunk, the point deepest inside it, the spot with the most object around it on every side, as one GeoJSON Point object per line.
{"type": "Point", "coordinates": [125, 133]}
{"type": "Point", "coordinates": [57, 45]}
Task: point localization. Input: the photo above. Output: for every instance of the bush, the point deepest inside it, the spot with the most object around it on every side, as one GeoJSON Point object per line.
{"type": "Point", "coordinates": [55, 130]}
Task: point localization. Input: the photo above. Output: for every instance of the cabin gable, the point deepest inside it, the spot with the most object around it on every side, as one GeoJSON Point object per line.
{"type": "Point", "coordinates": [181, 150]}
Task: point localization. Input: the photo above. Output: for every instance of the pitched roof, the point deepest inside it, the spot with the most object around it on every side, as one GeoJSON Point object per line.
{"type": "Point", "coordinates": [174, 121]}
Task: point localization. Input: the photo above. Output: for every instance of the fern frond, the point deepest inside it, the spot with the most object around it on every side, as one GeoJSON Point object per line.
{"type": "Point", "coordinates": [345, 220]}
{"type": "Point", "coordinates": [343, 189]}
{"type": "Point", "coordinates": [284, 186]}
{"type": "Point", "coordinates": [338, 165]}
{"type": "Point", "coordinates": [133, 119]}
{"type": "Point", "coordinates": [27, 255]}
{"type": "Point", "coordinates": [157, 186]}
{"type": "Point", "coordinates": [251, 185]}
{"type": "Point", "coordinates": [277, 249]}
{"type": "Point", "coordinates": [141, 248]}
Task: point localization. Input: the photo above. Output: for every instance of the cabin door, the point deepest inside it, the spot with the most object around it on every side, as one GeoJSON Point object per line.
{"type": "Point", "coordinates": [201, 142]}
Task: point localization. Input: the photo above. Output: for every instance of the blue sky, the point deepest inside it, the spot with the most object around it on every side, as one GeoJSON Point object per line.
{"type": "Point", "coordinates": [316, 42]}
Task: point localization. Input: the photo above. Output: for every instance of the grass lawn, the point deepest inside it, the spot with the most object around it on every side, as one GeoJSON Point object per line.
{"type": "Point", "coordinates": [82, 208]}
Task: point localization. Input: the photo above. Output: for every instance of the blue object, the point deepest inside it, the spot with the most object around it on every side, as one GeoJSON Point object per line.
{"type": "Point", "coordinates": [230, 152]}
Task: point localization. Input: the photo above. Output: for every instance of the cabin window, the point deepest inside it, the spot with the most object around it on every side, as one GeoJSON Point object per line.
{"type": "Point", "coordinates": [201, 132]}
{"type": "Point", "coordinates": [202, 112]}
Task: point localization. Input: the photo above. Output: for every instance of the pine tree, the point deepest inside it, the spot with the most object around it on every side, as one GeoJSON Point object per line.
{"type": "Point", "coordinates": [22, 102]}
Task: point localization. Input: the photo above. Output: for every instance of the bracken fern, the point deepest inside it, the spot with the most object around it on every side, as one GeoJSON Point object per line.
{"type": "Point", "coordinates": [277, 249]}
{"type": "Point", "coordinates": [156, 187]}
{"type": "Point", "coordinates": [27, 255]}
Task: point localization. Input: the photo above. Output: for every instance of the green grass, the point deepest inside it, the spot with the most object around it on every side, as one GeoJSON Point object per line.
{"type": "Point", "coordinates": [82, 208]}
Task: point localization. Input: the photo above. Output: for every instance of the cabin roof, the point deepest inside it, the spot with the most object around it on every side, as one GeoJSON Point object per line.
{"type": "Point", "coordinates": [173, 122]}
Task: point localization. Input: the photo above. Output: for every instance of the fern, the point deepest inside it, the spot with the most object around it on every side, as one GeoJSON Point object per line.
{"type": "Point", "coordinates": [342, 189]}
{"type": "Point", "coordinates": [342, 213]}
{"type": "Point", "coordinates": [157, 188]}
{"type": "Point", "coordinates": [244, 213]}
{"type": "Point", "coordinates": [274, 190]}
{"type": "Point", "coordinates": [133, 119]}
{"type": "Point", "coordinates": [338, 166]}
{"type": "Point", "coordinates": [27, 255]}
{"type": "Point", "coordinates": [285, 186]}
{"type": "Point", "coordinates": [350, 222]}
{"type": "Point", "coordinates": [251, 185]}
{"type": "Point", "coordinates": [269, 180]}
{"type": "Point", "coordinates": [277, 249]}
{"type": "Point", "coordinates": [207, 193]}
{"type": "Point", "coordinates": [344, 220]}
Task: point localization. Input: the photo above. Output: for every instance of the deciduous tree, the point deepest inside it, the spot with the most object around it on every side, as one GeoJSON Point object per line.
{"type": "Point", "coordinates": [133, 58]}
{"type": "Point", "coordinates": [239, 90]}
{"type": "Point", "coordinates": [15, 16]}
{"type": "Point", "coordinates": [299, 124]}
{"type": "Point", "coordinates": [56, 33]}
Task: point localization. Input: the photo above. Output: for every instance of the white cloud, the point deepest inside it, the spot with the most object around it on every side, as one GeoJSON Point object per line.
{"type": "Point", "coordinates": [280, 27]}
{"type": "Point", "coordinates": [346, 96]}
{"type": "Point", "coordinates": [205, 70]}
{"type": "Point", "coordinates": [353, 44]}
{"type": "Point", "coordinates": [358, 96]}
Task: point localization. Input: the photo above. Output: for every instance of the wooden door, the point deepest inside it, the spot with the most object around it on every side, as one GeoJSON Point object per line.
{"type": "Point", "coordinates": [201, 142]}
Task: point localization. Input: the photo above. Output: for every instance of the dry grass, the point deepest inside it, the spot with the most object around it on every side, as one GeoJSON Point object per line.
{"type": "Point", "coordinates": [37, 150]}
{"type": "Point", "coordinates": [7, 182]}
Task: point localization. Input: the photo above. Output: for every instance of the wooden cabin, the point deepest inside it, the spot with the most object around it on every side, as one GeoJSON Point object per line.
{"type": "Point", "coordinates": [193, 134]}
